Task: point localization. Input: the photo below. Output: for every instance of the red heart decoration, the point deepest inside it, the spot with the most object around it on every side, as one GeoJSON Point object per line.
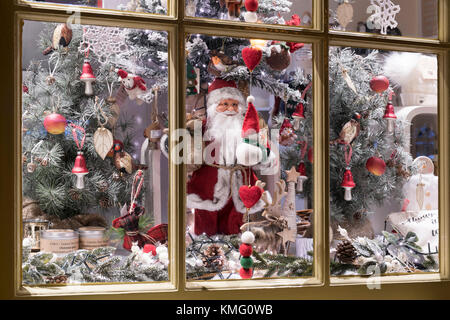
{"type": "Point", "coordinates": [252, 56]}
{"type": "Point", "coordinates": [250, 195]}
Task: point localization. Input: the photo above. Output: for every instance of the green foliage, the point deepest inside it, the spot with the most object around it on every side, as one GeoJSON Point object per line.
{"type": "Point", "coordinates": [90, 266]}
{"type": "Point", "coordinates": [384, 249]}
{"type": "Point", "coordinates": [283, 266]}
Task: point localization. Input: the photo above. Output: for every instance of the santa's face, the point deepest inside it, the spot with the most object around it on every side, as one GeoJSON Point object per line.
{"type": "Point", "coordinates": [224, 126]}
{"type": "Point", "coordinates": [230, 107]}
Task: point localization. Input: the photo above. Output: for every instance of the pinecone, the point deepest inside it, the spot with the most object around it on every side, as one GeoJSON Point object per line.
{"type": "Point", "coordinates": [74, 195]}
{"type": "Point", "coordinates": [104, 203]}
{"type": "Point", "coordinates": [346, 252]}
{"type": "Point", "coordinates": [57, 279]}
{"type": "Point", "coordinates": [214, 257]}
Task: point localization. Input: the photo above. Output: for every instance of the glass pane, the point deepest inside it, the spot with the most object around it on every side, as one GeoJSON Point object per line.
{"type": "Point", "coordinates": [94, 179]}
{"type": "Point", "coordinates": [147, 6]}
{"type": "Point", "coordinates": [293, 13]}
{"type": "Point", "coordinates": [418, 19]}
{"type": "Point", "coordinates": [383, 162]}
{"type": "Point", "coordinates": [249, 201]}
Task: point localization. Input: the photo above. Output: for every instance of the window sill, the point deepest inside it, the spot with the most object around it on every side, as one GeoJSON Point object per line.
{"type": "Point", "coordinates": [232, 284]}
{"type": "Point", "coordinates": [85, 289]}
{"type": "Point", "coordinates": [385, 279]}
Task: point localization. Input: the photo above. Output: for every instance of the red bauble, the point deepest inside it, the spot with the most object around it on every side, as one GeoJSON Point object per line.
{"type": "Point", "coordinates": [379, 84]}
{"type": "Point", "coordinates": [252, 56]}
{"type": "Point", "coordinates": [251, 5]}
{"type": "Point", "coordinates": [376, 166]}
{"type": "Point", "coordinates": [246, 273]}
{"type": "Point", "coordinates": [250, 195]}
{"type": "Point", "coordinates": [245, 249]}
{"type": "Point", "coordinates": [55, 123]}
{"type": "Point", "coordinates": [149, 248]}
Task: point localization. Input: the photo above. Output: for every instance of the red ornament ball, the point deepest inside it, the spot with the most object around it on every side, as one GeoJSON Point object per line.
{"type": "Point", "coordinates": [251, 5]}
{"type": "Point", "coordinates": [150, 248]}
{"type": "Point", "coordinates": [245, 250]}
{"type": "Point", "coordinates": [246, 273]}
{"type": "Point", "coordinates": [55, 123]}
{"type": "Point", "coordinates": [379, 84]}
{"type": "Point", "coordinates": [376, 166]}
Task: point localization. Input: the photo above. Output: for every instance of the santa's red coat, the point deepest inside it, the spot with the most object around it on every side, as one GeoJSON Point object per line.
{"type": "Point", "coordinates": [218, 208]}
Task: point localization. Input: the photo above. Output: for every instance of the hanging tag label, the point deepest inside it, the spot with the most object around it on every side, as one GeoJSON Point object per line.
{"type": "Point", "coordinates": [155, 134]}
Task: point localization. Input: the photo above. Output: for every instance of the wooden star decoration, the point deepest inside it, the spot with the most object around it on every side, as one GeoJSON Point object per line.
{"type": "Point", "coordinates": [288, 235]}
{"type": "Point", "coordinates": [292, 175]}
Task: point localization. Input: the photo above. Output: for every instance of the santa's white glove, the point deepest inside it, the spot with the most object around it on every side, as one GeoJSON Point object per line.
{"type": "Point", "coordinates": [248, 154]}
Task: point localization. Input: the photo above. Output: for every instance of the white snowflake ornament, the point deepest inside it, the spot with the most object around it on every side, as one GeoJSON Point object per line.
{"type": "Point", "coordinates": [383, 15]}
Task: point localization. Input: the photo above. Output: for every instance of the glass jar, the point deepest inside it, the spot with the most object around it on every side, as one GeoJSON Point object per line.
{"type": "Point", "coordinates": [59, 241]}
{"type": "Point", "coordinates": [92, 237]}
{"type": "Point", "coordinates": [32, 229]}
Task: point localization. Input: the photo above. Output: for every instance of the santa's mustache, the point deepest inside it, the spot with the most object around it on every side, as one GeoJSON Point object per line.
{"type": "Point", "coordinates": [229, 113]}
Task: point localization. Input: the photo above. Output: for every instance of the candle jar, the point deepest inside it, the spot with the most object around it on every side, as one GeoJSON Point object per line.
{"type": "Point", "coordinates": [92, 237]}
{"type": "Point", "coordinates": [59, 241]}
{"type": "Point", "coordinates": [32, 229]}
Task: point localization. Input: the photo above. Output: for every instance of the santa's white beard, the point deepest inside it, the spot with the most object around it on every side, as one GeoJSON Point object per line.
{"type": "Point", "coordinates": [225, 133]}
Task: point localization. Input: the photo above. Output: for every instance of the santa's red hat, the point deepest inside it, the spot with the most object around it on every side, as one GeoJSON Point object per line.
{"type": "Point", "coordinates": [251, 120]}
{"type": "Point", "coordinates": [221, 89]}
{"type": "Point", "coordinates": [249, 152]}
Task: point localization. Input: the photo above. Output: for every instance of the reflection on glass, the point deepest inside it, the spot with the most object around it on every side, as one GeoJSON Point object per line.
{"type": "Point", "coordinates": [383, 152]}
{"type": "Point", "coordinates": [147, 6]}
{"type": "Point", "coordinates": [249, 158]}
{"type": "Point", "coordinates": [293, 13]}
{"type": "Point", "coordinates": [387, 17]}
{"type": "Point", "coordinates": [94, 178]}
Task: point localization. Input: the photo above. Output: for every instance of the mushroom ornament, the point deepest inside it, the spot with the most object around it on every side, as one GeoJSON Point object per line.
{"type": "Point", "coordinates": [87, 76]}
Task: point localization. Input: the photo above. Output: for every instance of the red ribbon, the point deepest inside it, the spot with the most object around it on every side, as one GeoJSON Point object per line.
{"type": "Point", "coordinates": [75, 136]}
{"type": "Point", "coordinates": [303, 147]}
{"type": "Point", "coordinates": [306, 89]}
{"type": "Point", "coordinates": [347, 153]}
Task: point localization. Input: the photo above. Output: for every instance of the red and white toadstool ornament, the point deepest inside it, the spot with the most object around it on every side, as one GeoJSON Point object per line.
{"type": "Point", "coordinates": [134, 85]}
{"type": "Point", "coordinates": [389, 115]}
{"type": "Point", "coordinates": [80, 170]}
{"type": "Point", "coordinates": [87, 76]}
{"type": "Point", "coordinates": [298, 115]}
{"type": "Point", "coordinates": [251, 6]}
{"type": "Point", "coordinates": [348, 184]}
{"type": "Point", "coordinates": [302, 177]}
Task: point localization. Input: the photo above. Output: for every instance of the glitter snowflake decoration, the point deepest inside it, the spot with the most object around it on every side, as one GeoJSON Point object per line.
{"type": "Point", "coordinates": [104, 42]}
{"type": "Point", "coordinates": [383, 16]}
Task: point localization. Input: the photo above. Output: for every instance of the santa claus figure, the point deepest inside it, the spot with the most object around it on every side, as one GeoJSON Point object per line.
{"type": "Point", "coordinates": [229, 161]}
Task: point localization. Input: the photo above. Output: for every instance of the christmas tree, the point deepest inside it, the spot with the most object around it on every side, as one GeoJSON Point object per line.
{"type": "Point", "coordinates": [54, 91]}
{"type": "Point", "coordinates": [351, 93]}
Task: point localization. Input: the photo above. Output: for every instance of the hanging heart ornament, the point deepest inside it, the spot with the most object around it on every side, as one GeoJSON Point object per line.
{"type": "Point", "coordinates": [252, 56]}
{"type": "Point", "coordinates": [250, 195]}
